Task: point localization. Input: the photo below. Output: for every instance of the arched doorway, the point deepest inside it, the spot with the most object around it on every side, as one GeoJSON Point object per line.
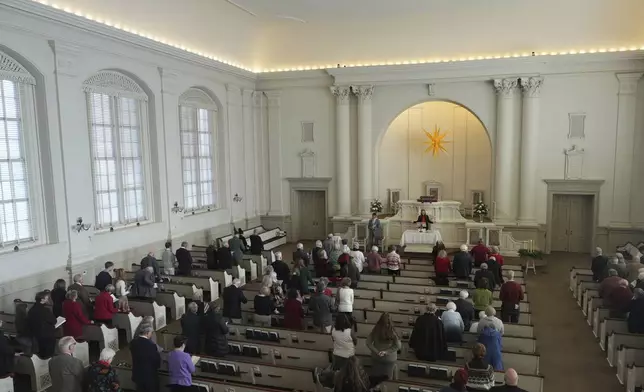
{"type": "Point", "coordinates": [462, 168]}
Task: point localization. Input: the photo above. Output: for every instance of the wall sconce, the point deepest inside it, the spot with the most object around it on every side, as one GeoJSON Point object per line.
{"type": "Point", "coordinates": [237, 198]}
{"type": "Point", "coordinates": [176, 209]}
{"type": "Point", "coordinates": [81, 226]}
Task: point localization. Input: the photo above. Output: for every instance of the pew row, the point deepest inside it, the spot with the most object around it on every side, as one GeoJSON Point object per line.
{"type": "Point", "coordinates": [423, 281]}
{"type": "Point", "coordinates": [628, 356]}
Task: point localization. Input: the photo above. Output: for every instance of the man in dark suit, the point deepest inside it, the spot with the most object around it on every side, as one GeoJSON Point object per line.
{"type": "Point", "coordinates": [233, 298]}
{"type": "Point", "coordinates": [511, 382]}
{"type": "Point", "coordinates": [83, 294]}
{"type": "Point", "coordinates": [301, 254]}
{"type": "Point", "coordinates": [150, 260]}
{"type": "Point", "coordinates": [67, 373]}
{"type": "Point", "coordinates": [41, 325]}
{"type": "Point", "coordinates": [146, 361]}
{"type": "Point", "coordinates": [465, 308]}
{"type": "Point", "coordinates": [256, 244]}
{"type": "Point", "coordinates": [462, 264]}
{"type": "Point", "coordinates": [598, 264]}
{"type": "Point", "coordinates": [104, 277]}
{"type": "Point", "coordinates": [224, 257]}
{"type": "Point", "coordinates": [235, 245]}
{"type": "Point", "coordinates": [281, 268]}
{"type": "Point", "coordinates": [184, 259]}
{"type": "Point", "coordinates": [191, 328]}
{"type": "Point", "coordinates": [484, 272]}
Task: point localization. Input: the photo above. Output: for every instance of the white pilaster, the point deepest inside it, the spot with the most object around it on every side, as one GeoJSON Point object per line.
{"type": "Point", "coordinates": [171, 139]}
{"type": "Point", "coordinates": [531, 87]}
{"type": "Point", "coordinates": [342, 150]}
{"type": "Point", "coordinates": [506, 200]}
{"type": "Point", "coordinates": [261, 153]}
{"type": "Point", "coordinates": [249, 154]}
{"type": "Point", "coordinates": [275, 153]}
{"type": "Point", "coordinates": [365, 150]}
{"type": "Point", "coordinates": [235, 152]}
{"type": "Point", "coordinates": [626, 112]}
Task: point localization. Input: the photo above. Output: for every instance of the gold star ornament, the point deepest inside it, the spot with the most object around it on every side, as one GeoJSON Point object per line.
{"type": "Point", "coordinates": [435, 141]}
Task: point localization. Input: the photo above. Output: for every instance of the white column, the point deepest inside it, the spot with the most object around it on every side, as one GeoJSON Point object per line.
{"type": "Point", "coordinates": [235, 151]}
{"type": "Point", "coordinates": [342, 151]}
{"type": "Point", "coordinates": [365, 150]}
{"type": "Point", "coordinates": [249, 154]}
{"type": "Point", "coordinates": [531, 87]}
{"type": "Point", "coordinates": [261, 153]}
{"type": "Point", "coordinates": [503, 180]}
{"type": "Point", "coordinates": [275, 153]}
{"type": "Point", "coordinates": [626, 112]}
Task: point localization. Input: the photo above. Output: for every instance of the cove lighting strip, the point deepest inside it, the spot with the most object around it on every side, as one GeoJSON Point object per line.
{"type": "Point", "coordinates": [319, 67]}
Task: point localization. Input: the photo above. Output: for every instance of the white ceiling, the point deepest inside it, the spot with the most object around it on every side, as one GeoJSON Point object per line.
{"type": "Point", "coordinates": [265, 34]}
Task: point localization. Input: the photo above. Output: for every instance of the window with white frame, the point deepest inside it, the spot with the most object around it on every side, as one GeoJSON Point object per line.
{"type": "Point", "coordinates": [117, 114]}
{"type": "Point", "coordinates": [19, 174]}
{"type": "Point", "coordinates": [197, 118]}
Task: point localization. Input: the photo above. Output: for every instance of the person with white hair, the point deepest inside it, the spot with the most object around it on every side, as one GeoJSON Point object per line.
{"type": "Point", "coordinates": [632, 268]}
{"type": "Point", "coordinates": [256, 243]}
{"type": "Point", "coordinates": [83, 294]}
{"type": "Point", "coordinates": [232, 299]}
{"type": "Point", "coordinates": [67, 372]}
{"type": "Point", "coordinates": [496, 253]}
{"type": "Point", "coordinates": [101, 376]}
{"type": "Point", "coordinates": [300, 253]}
{"type": "Point", "coordinates": [237, 248]}
{"type": "Point", "coordinates": [621, 269]}
{"type": "Point", "coordinates": [74, 316]}
{"type": "Point", "coordinates": [146, 360]}
{"type": "Point", "coordinates": [511, 295]}
{"type": "Point", "coordinates": [484, 272]}
{"type": "Point", "coordinates": [144, 283]}
{"type": "Point", "coordinates": [270, 277]}
{"type": "Point", "coordinates": [465, 308]}
{"type": "Point", "coordinates": [393, 261]}
{"type": "Point", "coordinates": [150, 260]}
{"type": "Point", "coordinates": [491, 321]}
{"type": "Point", "coordinates": [335, 254]}
{"type": "Point", "coordinates": [281, 268]}
{"type": "Point", "coordinates": [462, 263]}
{"type": "Point", "coordinates": [328, 244]}
{"type": "Point", "coordinates": [191, 328]}
{"type": "Point", "coordinates": [357, 257]}
{"type": "Point", "coordinates": [639, 282]}
{"type": "Point", "coordinates": [315, 252]}
{"type": "Point", "coordinates": [453, 324]}
{"type": "Point", "coordinates": [474, 328]}
{"type": "Point", "coordinates": [374, 260]}
{"type": "Point", "coordinates": [104, 308]}
{"type": "Point", "coordinates": [184, 260]}
{"type": "Point", "coordinates": [511, 383]}
{"type": "Point", "coordinates": [264, 307]}
{"type": "Point", "coordinates": [598, 264]}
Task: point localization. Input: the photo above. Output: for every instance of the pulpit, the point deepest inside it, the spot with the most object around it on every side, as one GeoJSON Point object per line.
{"type": "Point", "coordinates": [448, 221]}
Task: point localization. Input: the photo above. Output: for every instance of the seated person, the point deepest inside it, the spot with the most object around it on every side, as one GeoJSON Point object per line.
{"type": "Point", "coordinates": [453, 324]}
{"type": "Point", "coordinates": [491, 321]}
{"type": "Point", "coordinates": [607, 285]}
{"type": "Point", "coordinates": [619, 299]}
{"type": "Point", "coordinates": [481, 373]}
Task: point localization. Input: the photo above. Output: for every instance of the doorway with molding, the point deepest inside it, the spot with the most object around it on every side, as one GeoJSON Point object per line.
{"type": "Point", "coordinates": [572, 223]}
{"type": "Point", "coordinates": [311, 219]}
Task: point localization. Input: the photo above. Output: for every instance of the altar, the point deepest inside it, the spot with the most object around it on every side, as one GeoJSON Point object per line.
{"type": "Point", "coordinates": [429, 237]}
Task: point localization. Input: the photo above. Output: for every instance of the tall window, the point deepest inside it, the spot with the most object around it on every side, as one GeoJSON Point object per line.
{"type": "Point", "coordinates": [197, 122]}
{"type": "Point", "coordinates": [116, 113]}
{"type": "Point", "coordinates": [17, 223]}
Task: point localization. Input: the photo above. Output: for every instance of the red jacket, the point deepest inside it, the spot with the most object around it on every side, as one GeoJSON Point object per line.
{"type": "Point", "coordinates": [479, 253]}
{"type": "Point", "coordinates": [441, 265]}
{"type": "Point", "coordinates": [293, 314]}
{"type": "Point", "coordinates": [75, 318]}
{"type": "Point", "coordinates": [104, 306]}
{"type": "Point", "coordinates": [511, 292]}
{"type": "Point", "coordinates": [498, 258]}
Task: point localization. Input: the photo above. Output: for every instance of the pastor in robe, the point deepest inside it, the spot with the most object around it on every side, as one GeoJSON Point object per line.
{"type": "Point", "coordinates": [428, 336]}
{"type": "Point", "coordinates": [423, 220]}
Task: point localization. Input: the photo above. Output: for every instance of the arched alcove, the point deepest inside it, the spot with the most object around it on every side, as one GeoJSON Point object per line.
{"type": "Point", "coordinates": [406, 161]}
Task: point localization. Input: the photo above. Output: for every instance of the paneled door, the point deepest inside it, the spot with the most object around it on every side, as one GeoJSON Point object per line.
{"type": "Point", "coordinates": [572, 219]}
{"type": "Point", "coordinates": [312, 211]}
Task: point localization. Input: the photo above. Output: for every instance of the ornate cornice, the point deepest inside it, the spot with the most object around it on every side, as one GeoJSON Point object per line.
{"type": "Point", "coordinates": [505, 87]}
{"type": "Point", "coordinates": [628, 82]}
{"type": "Point", "coordinates": [341, 94]}
{"type": "Point", "coordinates": [114, 83]}
{"type": "Point", "coordinates": [364, 93]}
{"type": "Point", "coordinates": [531, 86]}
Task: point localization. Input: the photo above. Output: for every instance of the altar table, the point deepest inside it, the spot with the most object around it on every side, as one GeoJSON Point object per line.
{"type": "Point", "coordinates": [430, 237]}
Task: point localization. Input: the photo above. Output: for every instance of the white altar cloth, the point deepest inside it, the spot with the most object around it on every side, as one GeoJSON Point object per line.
{"type": "Point", "coordinates": [430, 237]}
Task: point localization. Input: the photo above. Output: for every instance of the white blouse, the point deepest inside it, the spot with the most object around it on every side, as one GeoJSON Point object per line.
{"type": "Point", "coordinates": [343, 343]}
{"type": "Point", "coordinates": [119, 288]}
{"type": "Point", "coordinates": [345, 300]}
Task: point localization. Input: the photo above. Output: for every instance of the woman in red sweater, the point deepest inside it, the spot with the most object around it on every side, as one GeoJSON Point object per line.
{"type": "Point", "coordinates": [74, 316]}
{"type": "Point", "coordinates": [441, 266]}
{"type": "Point", "coordinates": [293, 312]}
{"type": "Point", "coordinates": [104, 308]}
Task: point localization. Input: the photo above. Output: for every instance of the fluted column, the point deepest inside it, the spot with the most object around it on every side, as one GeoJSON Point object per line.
{"type": "Point", "coordinates": [342, 151]}
{"type": "Point", "coordinates": [624, 152]}
{"type": "Point", "coordinates": [504, 179]}
{"type": "Point", "coordinates": [365, 151]}
{"type": "Point", "coordinates": [529, 138]}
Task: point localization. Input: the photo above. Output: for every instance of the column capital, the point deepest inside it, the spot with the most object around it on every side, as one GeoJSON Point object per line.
{"type": "Point", "coordinates": [364, 93]}
{"type": "Point", "coordinates": [247, 97]}
{"type": "Point", "coordinates": [67, 57]}
{"type": "Point", "coordinates": [505, 87]}
{"type": "Point", "coordinates": [169, 80]}
{"type": "Point", "coordinates": [341, 94]}
{"type": "Point", "coordinates": [531, 86]}
{"type": "Point", "coordinates": [273, 98]}
{"type": "Point", "coordinates": [628, 82]}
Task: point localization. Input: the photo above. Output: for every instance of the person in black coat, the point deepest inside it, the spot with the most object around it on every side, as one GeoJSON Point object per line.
{"type": "Point", "coordinates": [511, 383]}
{"type": "Point", "coordinates": [485, 273]}
{"type": "Point", "coordinates": [184, 259]}
{"type": "Point", "coordinates": [598, 264]}
{"type": "Point", "coordinates": [494, 267]}
{"type": "Point", "coordinates": [244, 243]}
{"type": "Point", "coordinates": [281, 268]}
{"type": "Point", "coordinates": [232, 298]}
{"type": "Point", "coordinates": [428, 336]}
{"type": "Point", "coordinates": [462, 263]}
{"type": "Point", "coordinates": [465, 308]}
{"type": "Point", "coordinates": [58, 296]}
{"type": "Point", "coordinates": [146, 361]}
{"type": "Point", "coordinates": [104, 277]}
{"type": "Point", "coordinates": [635, 319]}
{"type": "Point", "coordinates": [211, 257]}
{"type": "Point", "coordinates": [256, 244]}
{"type": "Point", "coordinates": [301, 254]}
{"type": "Point", "coordinates": [7, 355]}
{"type": "Point", "coordinates": [216, 330]}
{"type": "Point", "coordinates": [150, 260]}
{"type": "Point", "coordinates": [42, 325]}
{"type": "Point", "coordinates": [191, 328]}
{"type": "Point", "coordinates": [225, 257]}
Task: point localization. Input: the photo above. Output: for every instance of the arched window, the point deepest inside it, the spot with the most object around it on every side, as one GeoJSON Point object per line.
{"type": "Point", "coordinates": [19, 166]}
{"type": "Point", "coordinates": [117, 114]}
{"type": "Point", "coordinates": [198, 122]}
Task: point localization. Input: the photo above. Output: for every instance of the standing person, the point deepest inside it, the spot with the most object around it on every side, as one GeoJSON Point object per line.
{"type": "Point", "coordinates": [269, 278]}
{"type": "Point", "coordinates": [58, 295]}
{"type": "Point", "coordinates": [428, 336]}
{"type": "Point", "coordinates": [146, 361]}
{"type": "Point", "coordinates": [144, 283]}
{"type": "Point", "coordinates": [511, 381]}
{"type": "Point", "coordinates": [383, 343]}
{"type": "Point", "coordinates": [374, 260]}
{"type": "Point", "coordinates": [104, 277]}
{"type": "Point", "coordinates": [242, 238]}
{"type": "Point", "coordinates": [393, 261]}
{"type": "Point", "coordinates": [465, 308]}
{"type": "Point", "coordinates": [511, 294]}
{"type": "Point", "coordinates": [256, 243]}
{"type": "Point", "coordinates": [321, 306]}
{"type": "Point", "coordinates": [375, 230]}
{"type": "Point", "coordinates": [41, 325]}
{"type": "Point", "coordinates": [496, 253]}
{"type": "Point", "coordinates": [351, 377]}
{"type": "Point", "coordinates": [482, 296]}
{"type": "Point", "coordinates": [462, 264]}
{"type": "Point", "coordinates": [225, 257]}
{"type": "Point", "coordinates": [437, 248]}
{"type": "Point", "coordinates": [151, 261]}
{"type": "Point", "coordinates": [104, 308]}
{"type": "Point", "coordinates": [328, 243]}
{"type": "Point", "coordinates": [598, 264]}
{"type": "Point", "coordinates": [233, 298]}
{"type": "Point", "coordinates": [180, 367]}
{"type": "Point", "coordinates": [264, 307]}
{"type": "Point", "coordinates": [495, 269]}
{"type": "Point", "coordinates": [281, 268]}
{"type": "Point", "coordinates": [300, 253]}
{"type": "Point", "coordinates": [485, 273]}
{"type": "Point", "coordinates": [357, 257]}
{"type": "Point", "coordinates": [635, 320]}
{"type": "Point", "coordinates": [120, 287]}
{"type": "Point", "coordinates": [480, 253]}
{"type": "Point", "coordinates": [7, 355]}
{"type": "Point", "coordinates": [293, 312]}
{"type": "Point", "coordinates": [67, 373]}
{"type": "Point", "coordinates": [322, 264]}
{"type": "Point", "coordinates": [168, 259]}
{"type": "Point", "coordinates": [484, 371]}
{"type": "Point", "coordinates": [74, 316]}
{"type": "Point", "coordinates": [304, 277]}
{"type": "Point", "coordinates": [491, 321]}
{"type": "Point", "coordinates": [83, 294]}
{"type": "Point", "coordinates": [191, 327]}
{"type": "Point", "coordinates": [344, 298]}
{"type": "Point", "coordinates": [236, 248]}
{"type": "Point", "coordinates": [216, 332]}
{"type": "Point", "coordinates": [315, 253]}
{"type": "Point", "coordinates": [441, 266]}
{"type": "Point", "coordinates": [184, 260]}
{"type": "Point", "coordinates": [349, 270]}
{"type": "Point", "coordinates": [633, 268]}
{"type": "Point", "coordinates": [491, 339]}
{"type": "Point", "coordinates": [453, 324]}
{"type": "Point", "coordinates": [424, 221]}
{"type": "Point", "coordinates": [101, 376]}
{"type": "Point", "coordinates": [344, 341]}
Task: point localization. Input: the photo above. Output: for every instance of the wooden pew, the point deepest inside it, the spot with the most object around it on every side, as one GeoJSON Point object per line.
{"type": "Point", "coordinates": [628, 356]}
{"type": "Point", "coordinates": [142, 308]}
{"type": "Point", "coordinates": [226, 276]}
{"type": "Point", "coordinates": [593, 303]}
{"type": "Point", "coordinates": [36, 368]}
{"type": "Point", "coordinates": [173, 302]}
{"type": "Point", "coordinates": [6, 384]}
{"type": "Point", "coordinates": [186, 290]}
{"type": "Point", "coordinates": [616, 340]}
{"type": "Point", "coordinates": [578, 275]}
{"type": "Point", "coordinates": [582, 287]}
{"type": "Point", "coordinates": [609, 326]}
{"type": "Point", "coordinates": [599, 314]}
{"type": "Point", "coordinates": [205, 282]}
{"type": "Point", "coordinates": [419, 281]}
{"type": "Point", "coordinates": [106, 337]}
{"type": "Point", "coordinates": [518, 273]}
{"type": "Point", "coordinates": [127, 322]}
{"type": "Point", "coordinates": [588, 291]}
{"type": "Point", "coordinates": [416, 289]}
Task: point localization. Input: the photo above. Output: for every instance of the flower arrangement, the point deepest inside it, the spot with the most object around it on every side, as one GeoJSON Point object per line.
{"type": "Point", "coordinates": [376, 206]}
{"type": "Point", "coordinates": [531, 253]}
{"type": "Point", "coordinates": [480, 210]}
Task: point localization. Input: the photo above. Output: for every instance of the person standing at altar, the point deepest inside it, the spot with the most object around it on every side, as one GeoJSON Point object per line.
{"type": "Point", "coordinates": [480, 253]}
{"type": "Point", "coordinates": [375, 230]}
{"type": "Point", "coordinates": [423, 220]}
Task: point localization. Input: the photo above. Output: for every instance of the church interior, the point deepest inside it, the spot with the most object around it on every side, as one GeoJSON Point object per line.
{"type": "Point", "coordinates": [137, 132]}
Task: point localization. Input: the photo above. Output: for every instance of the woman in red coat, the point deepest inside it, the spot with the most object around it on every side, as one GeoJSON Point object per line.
{"type": "Point", "coordinates": [104, 308]}
{"type": "Point", "coordinates": [441, 266]}
{"type": "Point", "coordinates": [293, 312]}
{"type": "Point", "coordinates": [74, 316]}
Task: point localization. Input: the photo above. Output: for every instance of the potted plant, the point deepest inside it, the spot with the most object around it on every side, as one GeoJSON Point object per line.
{"type": "Point", "coordinates": [376, 206]}
{"type": "Point", "coordinates": [480, 210]}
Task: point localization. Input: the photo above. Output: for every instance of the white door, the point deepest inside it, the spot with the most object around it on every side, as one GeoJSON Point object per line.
{"type": "Point", "coordinates": [572, 219]}
{"type": "Point", "coordinates": [559, 236]}
{"type": "Point", "coordinates": [312, 220]}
